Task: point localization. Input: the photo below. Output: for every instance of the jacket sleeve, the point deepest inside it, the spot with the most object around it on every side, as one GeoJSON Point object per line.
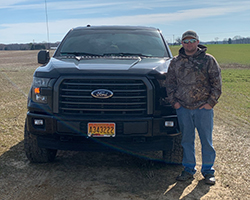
{"type": "Point", "coordinates": [214, 73]}
{"type": "Point", "coordinates": [171, 84]}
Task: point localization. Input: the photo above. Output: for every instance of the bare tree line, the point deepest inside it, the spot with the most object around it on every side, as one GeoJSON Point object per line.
{"type": "Point", "coordinates": [235, 40]}
{"type": "Point", "coordinates": [28, 46]}
{"type": "Point", "coordinates": [36, 46]}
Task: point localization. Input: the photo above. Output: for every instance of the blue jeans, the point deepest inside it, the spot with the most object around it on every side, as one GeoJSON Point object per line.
{"type": "Point", "coordinates": [202, 120]}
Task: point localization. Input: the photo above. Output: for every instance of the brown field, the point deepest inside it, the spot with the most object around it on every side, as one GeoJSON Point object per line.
{"type": "Point", "coordinates": [107, 176]}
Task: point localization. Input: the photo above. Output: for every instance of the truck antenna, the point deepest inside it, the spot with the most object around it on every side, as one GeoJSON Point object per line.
{"type": "Point", "coordinates": [47, 24]}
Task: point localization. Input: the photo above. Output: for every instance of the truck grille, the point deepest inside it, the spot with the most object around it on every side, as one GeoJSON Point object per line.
{"type": "Point", "coordinates": [129, 96]}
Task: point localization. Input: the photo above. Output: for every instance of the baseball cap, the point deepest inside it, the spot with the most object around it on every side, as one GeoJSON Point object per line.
{"type": "Point", "coordinates": [190, 34]}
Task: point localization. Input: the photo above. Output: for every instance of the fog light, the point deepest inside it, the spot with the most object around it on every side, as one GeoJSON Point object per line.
{"type": "Point", "coordinates": [38, 122]}
{"type": "Point", "coordinates": [169, 123]}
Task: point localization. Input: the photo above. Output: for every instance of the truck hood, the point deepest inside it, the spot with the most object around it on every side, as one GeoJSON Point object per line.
{"type": "Point", "coordinates": [112, 65]}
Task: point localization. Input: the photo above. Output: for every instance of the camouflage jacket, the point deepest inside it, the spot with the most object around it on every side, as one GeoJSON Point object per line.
{"type": "Point", "coordinates": [193, 80]}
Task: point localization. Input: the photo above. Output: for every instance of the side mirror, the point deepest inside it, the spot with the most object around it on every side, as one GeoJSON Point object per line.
{"type": "Point", "coordinates": [43, 56]}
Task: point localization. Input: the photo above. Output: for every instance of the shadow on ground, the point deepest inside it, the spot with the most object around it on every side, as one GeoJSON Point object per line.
{"type": "Point", "coordinates": [92, 175]}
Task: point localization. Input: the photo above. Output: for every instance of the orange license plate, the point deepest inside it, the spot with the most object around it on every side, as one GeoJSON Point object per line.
{"type": "Point", "coordinates": [101, 129]}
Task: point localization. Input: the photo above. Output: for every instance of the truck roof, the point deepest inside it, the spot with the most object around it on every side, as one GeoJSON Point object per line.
{"type": "Point", "coordinates": [116, 27]}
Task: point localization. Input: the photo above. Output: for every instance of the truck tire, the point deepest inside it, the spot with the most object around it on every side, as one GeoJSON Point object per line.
{"type": "Point", "coordinates": [34, 153]}
{"type": "Point", "coordinates": [174, 155]}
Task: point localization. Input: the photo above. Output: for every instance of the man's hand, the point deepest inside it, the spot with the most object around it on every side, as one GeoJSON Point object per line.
{"type": "Point", "coordinates": [206, 106]}
{"type": "Point", "coordinates": [177, 105]}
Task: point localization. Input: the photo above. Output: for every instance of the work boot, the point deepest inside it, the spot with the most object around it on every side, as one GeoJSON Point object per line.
{"type": "Point", "coordinates": [184, 176]}
{"type": "Point", "coordinates": [210, 179]}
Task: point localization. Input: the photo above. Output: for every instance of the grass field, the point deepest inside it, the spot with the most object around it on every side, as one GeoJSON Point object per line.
{"type": "Point", "coordinates": [234, 60]}
{"type": "Point", "coordinates": [235, 96]}
{"type": "Point", "coordinates": [226, 53]}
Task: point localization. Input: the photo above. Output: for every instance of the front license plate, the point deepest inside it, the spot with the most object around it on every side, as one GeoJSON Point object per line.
{"type": "Point", "coordinates": [101, 129]}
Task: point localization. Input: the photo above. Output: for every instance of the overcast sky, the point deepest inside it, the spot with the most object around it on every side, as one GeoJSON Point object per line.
{"type": "Point", "coordinates": [24, 21]}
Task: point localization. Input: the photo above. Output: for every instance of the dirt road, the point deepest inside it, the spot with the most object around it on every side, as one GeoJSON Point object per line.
{"type": "Point", "coordinates": [108, 175]}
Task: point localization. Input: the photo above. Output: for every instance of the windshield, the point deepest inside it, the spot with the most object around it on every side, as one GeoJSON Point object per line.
{"type": "Point", "coordinates": [113, 42]}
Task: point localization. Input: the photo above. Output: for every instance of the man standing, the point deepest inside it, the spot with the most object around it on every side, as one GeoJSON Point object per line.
{"type": "Point", "coordinates": [193, 88]}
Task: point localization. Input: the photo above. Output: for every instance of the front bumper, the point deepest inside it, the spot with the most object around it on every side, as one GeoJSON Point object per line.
{"type": "Point", "coordinates": [70, 133]}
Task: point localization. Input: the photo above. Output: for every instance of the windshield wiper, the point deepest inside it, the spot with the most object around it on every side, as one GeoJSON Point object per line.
{"type": "Point", "coordinates": [106, 54]}
{"type": "Point", "coordinates": [79, 54]}
{"type": "Point", "coordinates": [126, 54]}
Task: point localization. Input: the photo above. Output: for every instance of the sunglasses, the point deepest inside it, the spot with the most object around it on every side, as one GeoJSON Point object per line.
{"type": "Point", "coordinates": [190, 40]}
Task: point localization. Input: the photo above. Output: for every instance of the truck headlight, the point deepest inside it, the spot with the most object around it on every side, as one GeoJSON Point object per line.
{"type": "Point", "coordinates": [36, 85]}
{"type": "Point", "coordinates": [40, 82]}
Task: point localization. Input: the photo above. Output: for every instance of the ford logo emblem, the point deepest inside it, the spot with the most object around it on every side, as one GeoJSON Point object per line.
{"type": "Point", "coordinates": [102, 94]}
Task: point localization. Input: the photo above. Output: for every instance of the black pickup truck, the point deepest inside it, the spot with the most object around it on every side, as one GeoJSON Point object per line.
{"type": "Point", "coordinates": [103, 89]}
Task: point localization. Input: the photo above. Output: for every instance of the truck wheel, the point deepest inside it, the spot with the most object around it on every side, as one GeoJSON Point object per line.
{"type": "Point", "coordinates": [174, 155]}
{"type": "Point", "coordinates": [34, 153]}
